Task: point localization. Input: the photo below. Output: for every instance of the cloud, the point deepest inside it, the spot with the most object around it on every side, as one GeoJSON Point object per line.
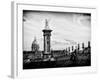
{"type": "Point", "coordinates": [72, 42]}
{"type": "Point", "coordinates": [68, 28]}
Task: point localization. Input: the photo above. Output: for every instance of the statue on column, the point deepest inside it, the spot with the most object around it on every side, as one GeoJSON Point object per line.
{"type": "Point", "coordinates": [47, 44]}
{"type": "Point", "coordinates": [46, 24]}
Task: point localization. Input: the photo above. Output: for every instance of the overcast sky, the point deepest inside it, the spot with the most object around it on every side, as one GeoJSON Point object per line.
{"type": "Point", "coordinates": [68, 28]}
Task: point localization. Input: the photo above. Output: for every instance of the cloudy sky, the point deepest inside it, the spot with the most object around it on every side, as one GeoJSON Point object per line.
{"type": "Point", "coordinates": [68, 28]}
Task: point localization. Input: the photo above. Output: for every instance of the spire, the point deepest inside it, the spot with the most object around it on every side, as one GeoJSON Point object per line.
{"type": "Point", "coordinates": [78, 46]}
{"type": "Point", "coordinates": [72, 48]}
{"type": "Point", "coordinates": [35, 41]}
{"type": "Point", "coordinates": [83, 45]}
{"type": "Point", "coordinates": [89, 44]}
{"type": "Point", "coordinates": [69, 49]}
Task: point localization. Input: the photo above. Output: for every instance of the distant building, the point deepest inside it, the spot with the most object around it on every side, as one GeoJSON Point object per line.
{"type": "Point", "coordinates": [35, 46]}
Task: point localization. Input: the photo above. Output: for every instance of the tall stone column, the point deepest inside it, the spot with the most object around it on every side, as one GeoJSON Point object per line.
{"type": "Point", "coordinates": [47, 34]}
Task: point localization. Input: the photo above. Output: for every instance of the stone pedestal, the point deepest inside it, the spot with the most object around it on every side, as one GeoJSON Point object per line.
{"type": "Point", "coordinates": [47, 51]}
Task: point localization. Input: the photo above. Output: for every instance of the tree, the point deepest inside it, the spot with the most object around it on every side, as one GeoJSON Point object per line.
{"type": "Point", "coordinates": [35, 46]}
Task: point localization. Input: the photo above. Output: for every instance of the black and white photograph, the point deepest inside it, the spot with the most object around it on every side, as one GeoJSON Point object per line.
{"type": "Point", "coordinates": [53, 39]}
